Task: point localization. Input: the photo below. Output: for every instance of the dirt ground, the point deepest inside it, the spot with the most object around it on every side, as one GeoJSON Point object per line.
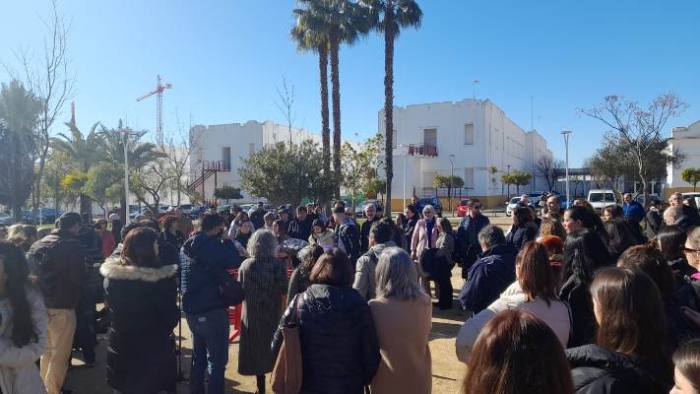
{"type": "Point", "coordinates": [447, 370]}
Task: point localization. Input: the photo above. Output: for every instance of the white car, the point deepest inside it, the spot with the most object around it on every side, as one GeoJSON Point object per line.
{"type": "Point", "coordinates": [6, 219]}
{"type": "Point", "coordinates": [510, 205]}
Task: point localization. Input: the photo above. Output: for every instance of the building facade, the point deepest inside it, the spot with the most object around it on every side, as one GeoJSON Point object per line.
{"type": "Point", "coordinates": [687, 140]}
{"type": "Point", "coordinates": [218, 152]}
{"type": "Point", "coordinates": [469, 139]}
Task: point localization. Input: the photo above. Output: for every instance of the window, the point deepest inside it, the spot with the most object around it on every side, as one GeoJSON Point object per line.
{"type": "Point", "coordinates": [226, 156]}
{"type": "Point", "coordinates": [469, 178]}
{"type": "Point", "coordinates": [251, 148]}
{"type": "Point", "coordinates": [430, 137]}
{"type": "Point", "coordinates": [469, 134]}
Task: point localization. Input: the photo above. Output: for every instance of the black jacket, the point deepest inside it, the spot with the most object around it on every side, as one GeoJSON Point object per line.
{"type": "Point", "coordinates": [577, 294]}
{"type": "Point", "coordinates": [408, 229]}
{"type": "Point", "coordinates": [300, 229]}
{"type": "Point", "coordinates": [143, 313]}
{"type": "Point", "coordinates": [518, 236]}
{"type": "Point", "coordinates": [59, 261]}
{"type": "Point", "coordinates": [364, 234]}
{"type": "Point", "coordinates": [204, 260]}
{"type": "Point", "coordinates": [490, 275]}
{"type": "Point", "coordinates": [339, 345]}
{"type": "Point", "coordinates": [599, 371]}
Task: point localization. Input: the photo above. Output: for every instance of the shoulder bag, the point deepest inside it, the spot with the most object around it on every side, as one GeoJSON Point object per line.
{"type": "Point", "coordinates": [286, 376]}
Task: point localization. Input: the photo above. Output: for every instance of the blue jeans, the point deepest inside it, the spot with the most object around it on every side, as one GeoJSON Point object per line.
{"type": "Point", "coordinates": [210, 332]}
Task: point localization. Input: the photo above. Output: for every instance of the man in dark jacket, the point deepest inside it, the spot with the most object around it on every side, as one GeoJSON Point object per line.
{"type": "Point", "coordinates": [492, 273]}
{"type": "Point", "coordinates": [347, 238]}
{"type": "Point", "coordinates": [654, 220]}
{"type": "Point", "coordinates": [204, 261]}
{"type": "Point", "coordinates": [468, 234]}
{"type": "Point", "coordinates": [60, 263]}
{"type": "Point", "coordinates": [371, 213]}
{"type": "Point", "coordinates": [300, 228]}
{"type": "Point", "coordinates": [258, 217]}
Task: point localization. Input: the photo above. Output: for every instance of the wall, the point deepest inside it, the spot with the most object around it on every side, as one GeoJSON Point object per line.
{"type": "Point", "coordinates": [687, 140]}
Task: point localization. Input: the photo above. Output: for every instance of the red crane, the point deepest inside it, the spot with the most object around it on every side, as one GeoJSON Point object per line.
{"type": "Point", "coordinates": [160, 88]}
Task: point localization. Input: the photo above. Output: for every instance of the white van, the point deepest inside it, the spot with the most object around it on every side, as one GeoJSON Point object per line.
{"type": "Point", "coordinates": [694, 195]}
{"type": "Point", "coordinates": [601, 198]}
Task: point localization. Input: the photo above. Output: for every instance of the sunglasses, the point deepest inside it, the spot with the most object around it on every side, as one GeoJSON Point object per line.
{"type": "Point", "coordinates": [688, 250]}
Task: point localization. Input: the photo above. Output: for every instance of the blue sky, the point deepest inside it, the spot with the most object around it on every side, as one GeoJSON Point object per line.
{"type": "Point", "coordinates": [225, 58]}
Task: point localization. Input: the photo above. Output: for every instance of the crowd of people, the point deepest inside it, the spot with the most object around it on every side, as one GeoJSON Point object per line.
{"type": "Point", "coordinates": [565, 301]}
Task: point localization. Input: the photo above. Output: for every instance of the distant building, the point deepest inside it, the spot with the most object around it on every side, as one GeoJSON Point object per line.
{"type": "Point", "coordinates": [687, 140]}
{"type": "Point", "coordinates": [218, 152]}
{"type": "Point", "coordinates": [466, 138]}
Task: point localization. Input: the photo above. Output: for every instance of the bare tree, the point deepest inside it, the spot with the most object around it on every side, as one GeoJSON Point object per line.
{"type": "Point", "coordinates": [549, 168]}
{"type": "Point", "coordinates": [178, 148]}
{"type": "Point", "coordinates": [285, 104]}
{"type": "Point", "coordinates": [638, 129]}
{"type": "Point", "coordinates": [49, 79]}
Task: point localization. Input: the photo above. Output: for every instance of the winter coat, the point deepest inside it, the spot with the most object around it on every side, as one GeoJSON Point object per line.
{"type": "Point", "coordinates": [18, 371]}
{"type": "Point", "coordinates": [364, 234]}
{"type": "Point", "coordinates": [682, 271]}
{"type": "Point", "coordinates": [408, 230]}
{"type": "Point", "coordinates": [468, 232]}
{"type": "Point", "coordinates": [301, 229]}
{"type": "Point", "coordinates": [324, 240]}
{"type": "Point", "coordinates": [654, 222]}
{"type": "Point", "coordinates": [108, 243]}
{"type": "Point", "coordinates": [62, 273]}
{"type": "Point", "coordinates": [519, 236]}
{"type": "Point", "coordinates": [403, 329]}
{"type": "Point", "coordinates": [348, 239]}
{"type": "Point", "coordinates": [339, 346]}
{"type": "Point", "coordinates": [577, 294]}
{"type": "Point", "coordinates": [556, 315]}
{"type": "Point", "coordinates": [600, 371]}
{"type": "Point", "coordinates": [176, 240]}
{"type": "Point", "coordinates": [365, 271]}
{"type": "Point", "coordinates": [143, 313]}
{"type": "Point", "coordinates": [634, 212]}
{"type": "Point", "coordinates": [204, 260]}
{"type": "Point", "coordinates": [490, 275]}
{"type": "Point", "coordinates": [419, 242]}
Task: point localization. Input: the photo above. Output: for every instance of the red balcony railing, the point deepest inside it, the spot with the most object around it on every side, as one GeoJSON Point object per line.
{"type": "Point", "coordinates": [422, 150]}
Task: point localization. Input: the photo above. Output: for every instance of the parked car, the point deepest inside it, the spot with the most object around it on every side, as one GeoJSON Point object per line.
{"type": "Point", "coordinates": [434, 201]}
{"type": "Point", "coordinates": [650, 197]}
{"type": "Point", "coordinates": [198, 211]}
{"type": "Point", "coordinates": [187, 208]}
{"type": "Point", "coordinates": [360, 208]}
{"type": "Point", "coordinates": [6, 219]}
{"type": "Point", "coordinates": [693, 195]}
{"type": "Point", "coordinates": [601, 198]}
{"type": "Point", "coordinates": [462, 208]}
{"type": "Point", "coordinates": [510, 205]}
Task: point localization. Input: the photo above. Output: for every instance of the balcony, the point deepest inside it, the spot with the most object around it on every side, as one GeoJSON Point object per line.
{"type": "Point", "coordinates": [420, 150]}
{"type": "Point", "coordinates": [220, 166]}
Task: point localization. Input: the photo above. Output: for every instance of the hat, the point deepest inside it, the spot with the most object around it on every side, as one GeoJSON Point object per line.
{"type": "Point", "coordinates": [113, 217]}
{"type": "Point", "coordinates": [68, 220]}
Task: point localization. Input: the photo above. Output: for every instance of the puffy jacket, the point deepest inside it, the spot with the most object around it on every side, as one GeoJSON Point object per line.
{"type": "Point", "coordinates": [339, 346]}
{"type": "Point", "coordinates": [204, 260]}
{"type": "Point", "coordinates": [143, 313]}
{"type": "Point", "coordinates": [365, 269]}
{"type": "Point", "coordinates": [600, 371]}
{"type": "Point", "coordinates": [519, 236]}
{"type": "Point", "coordinates": [490, 275]}
{"type": "Point", "coordinates": [61, 268]}
{"type": "Point", "coordinates": [577, 294]}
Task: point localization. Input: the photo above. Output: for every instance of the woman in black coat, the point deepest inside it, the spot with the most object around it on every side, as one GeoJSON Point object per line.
{"type": "Point", "coordinates": [629, 354]}
{"type": "Point", "coordinates": [524, 228]}
{"type": "Point", "coordinates": [141, 295]}
{"type": "Point", "coordinates": [339, 346]}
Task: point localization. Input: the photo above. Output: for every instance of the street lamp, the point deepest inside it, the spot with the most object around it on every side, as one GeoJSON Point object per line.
{"type": "Point", "coordinates": [509, 183]}
{"type": "Point", "coordinates": [126, 176]}
{"type": "Point", "coordinates": [566, 134]}
{"type": "Point", "coordinates": [452, 177]}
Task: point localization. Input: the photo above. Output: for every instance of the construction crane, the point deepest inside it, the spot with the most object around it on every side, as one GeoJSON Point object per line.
{"type": "Point", "coordinates": [160, 88]}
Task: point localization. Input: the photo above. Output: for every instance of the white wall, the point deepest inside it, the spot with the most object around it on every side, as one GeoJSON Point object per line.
{"type": "Point", "coordinates": [687, 140]}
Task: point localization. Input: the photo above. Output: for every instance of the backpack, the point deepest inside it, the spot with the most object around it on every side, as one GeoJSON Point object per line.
{"type": "Point", "coordinates": [39, 259]}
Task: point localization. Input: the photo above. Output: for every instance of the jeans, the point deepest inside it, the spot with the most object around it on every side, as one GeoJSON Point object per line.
{"type": "Point", "coordinates": [210, 332]}
{"type": "Point", "coordinates": [54, 361]}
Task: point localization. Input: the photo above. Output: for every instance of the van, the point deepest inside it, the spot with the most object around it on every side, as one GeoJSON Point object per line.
{"type": "Point", "coordinates": [694, 195]}
{"type": "Point", "coordinates": [601, 198]}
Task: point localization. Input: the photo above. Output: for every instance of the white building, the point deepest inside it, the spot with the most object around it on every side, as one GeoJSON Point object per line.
{"type": "Point", "coordinates": [687, 140]}
{"type": "Point", "coordinates": [465, 138]}
{"type": "Point", "coordinates": [218, 151]}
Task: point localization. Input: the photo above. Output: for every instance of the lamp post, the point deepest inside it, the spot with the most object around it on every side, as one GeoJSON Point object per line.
{"type": "Point", "coordinates": [126, 176]}
{"type": "Point", "coordinates": [452, 176]}
{"type": "Point", "coordinates": [566, 134]}
{"type": "Point", "coordinates": [509, 183]}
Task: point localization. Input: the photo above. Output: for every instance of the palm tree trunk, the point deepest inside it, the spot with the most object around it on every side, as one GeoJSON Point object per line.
{"type": "Point", "coordinates": [335, 81]}
{"type": "Point", "coordinates": [325, 115]}
{"type": "Point", "coordinates": [389, 99]}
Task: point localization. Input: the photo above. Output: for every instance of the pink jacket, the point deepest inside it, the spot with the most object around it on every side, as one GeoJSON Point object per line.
{"type": "Point", "coordinates": [420, 237]}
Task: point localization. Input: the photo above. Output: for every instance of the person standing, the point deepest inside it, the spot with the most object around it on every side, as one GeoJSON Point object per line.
{"type": "Point", "coordinates": [258, 217]}
{"type": "Point", "coordinates": [184, 223]}
{"type": "Point", "coordinates": [264, 279]}
{"type": "Point", "coordinates": [468, 234]}
{"type": "Point", "coordinates": [402, 316]}
{"type": "Point", "coordinates": [141, 297]}
{"type": "Point", "coordinates": [634, 211]}
{"type": "Point", "coordinates": [60, 259]}
{"type": "Point", "coordinates": [409, 226]}
{"type": "Point", "coordinates": [347, 237]}
{"type": "Point", "coordinates": [379, 240]}
{"type": "Point", "coordinates": [108, 243]}
{"type": "Point", "coordinates": [654, 219]}
{"type": "Point", "coordinates": [442, 267]}
{"type": "Point", "coordinates": [171, 232]}
{"type": "Point", "coordinates": [204, 261]}
{"type": "Point", "coordinates": [424, 237]}
{"type": "Point", "coordinates": [23, 326]}
{"type": "Point", "coordinates": [371, 214]}
{"type": "Point", "coordinates": [339, 347]}
{"type": "Point", "coordinates": [300, 227]}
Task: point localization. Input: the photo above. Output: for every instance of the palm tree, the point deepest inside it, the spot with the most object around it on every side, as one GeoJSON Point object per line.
{"type": "Point", "coordinates": [312, 35]}
{"type": "Point", "coordinates": [389, 16]}
{"type": "Point", "coordinates": [83, 151]}
{"type": "Point", "coordinates": [341, 21]}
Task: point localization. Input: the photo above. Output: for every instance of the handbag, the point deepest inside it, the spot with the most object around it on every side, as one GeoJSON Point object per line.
{"type": "Point", "coordinates": [286, 376]}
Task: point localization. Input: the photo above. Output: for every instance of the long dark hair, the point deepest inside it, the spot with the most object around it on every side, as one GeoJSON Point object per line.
{"type": "Point", "coordinates": [522, 216]}
{"type": "Point", "coordinates": [589, 219]}
{"type": "Point", "coordinates": [16, 283]}
{"type": "Point", "coordinates": [631, 317]}
{"type": "Point", "coordinates": [584, 252]}
{"type": "Point", "coordinates": [687, 361]}
{"type": "Point", "coordinates": [650, 260]}
{"type": "Point", "coordinates": [620, 238]}
{"type": "Point", "coordinates": [310, 259]}
{"type": "Point", "coordinates": [138, 248]}
{"type": "Point", "coordinates": [537, 278]}
{"type": "Point", "coordinates": [671, 239]}
{"type": "Point", "coordinates": [517, 353]}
